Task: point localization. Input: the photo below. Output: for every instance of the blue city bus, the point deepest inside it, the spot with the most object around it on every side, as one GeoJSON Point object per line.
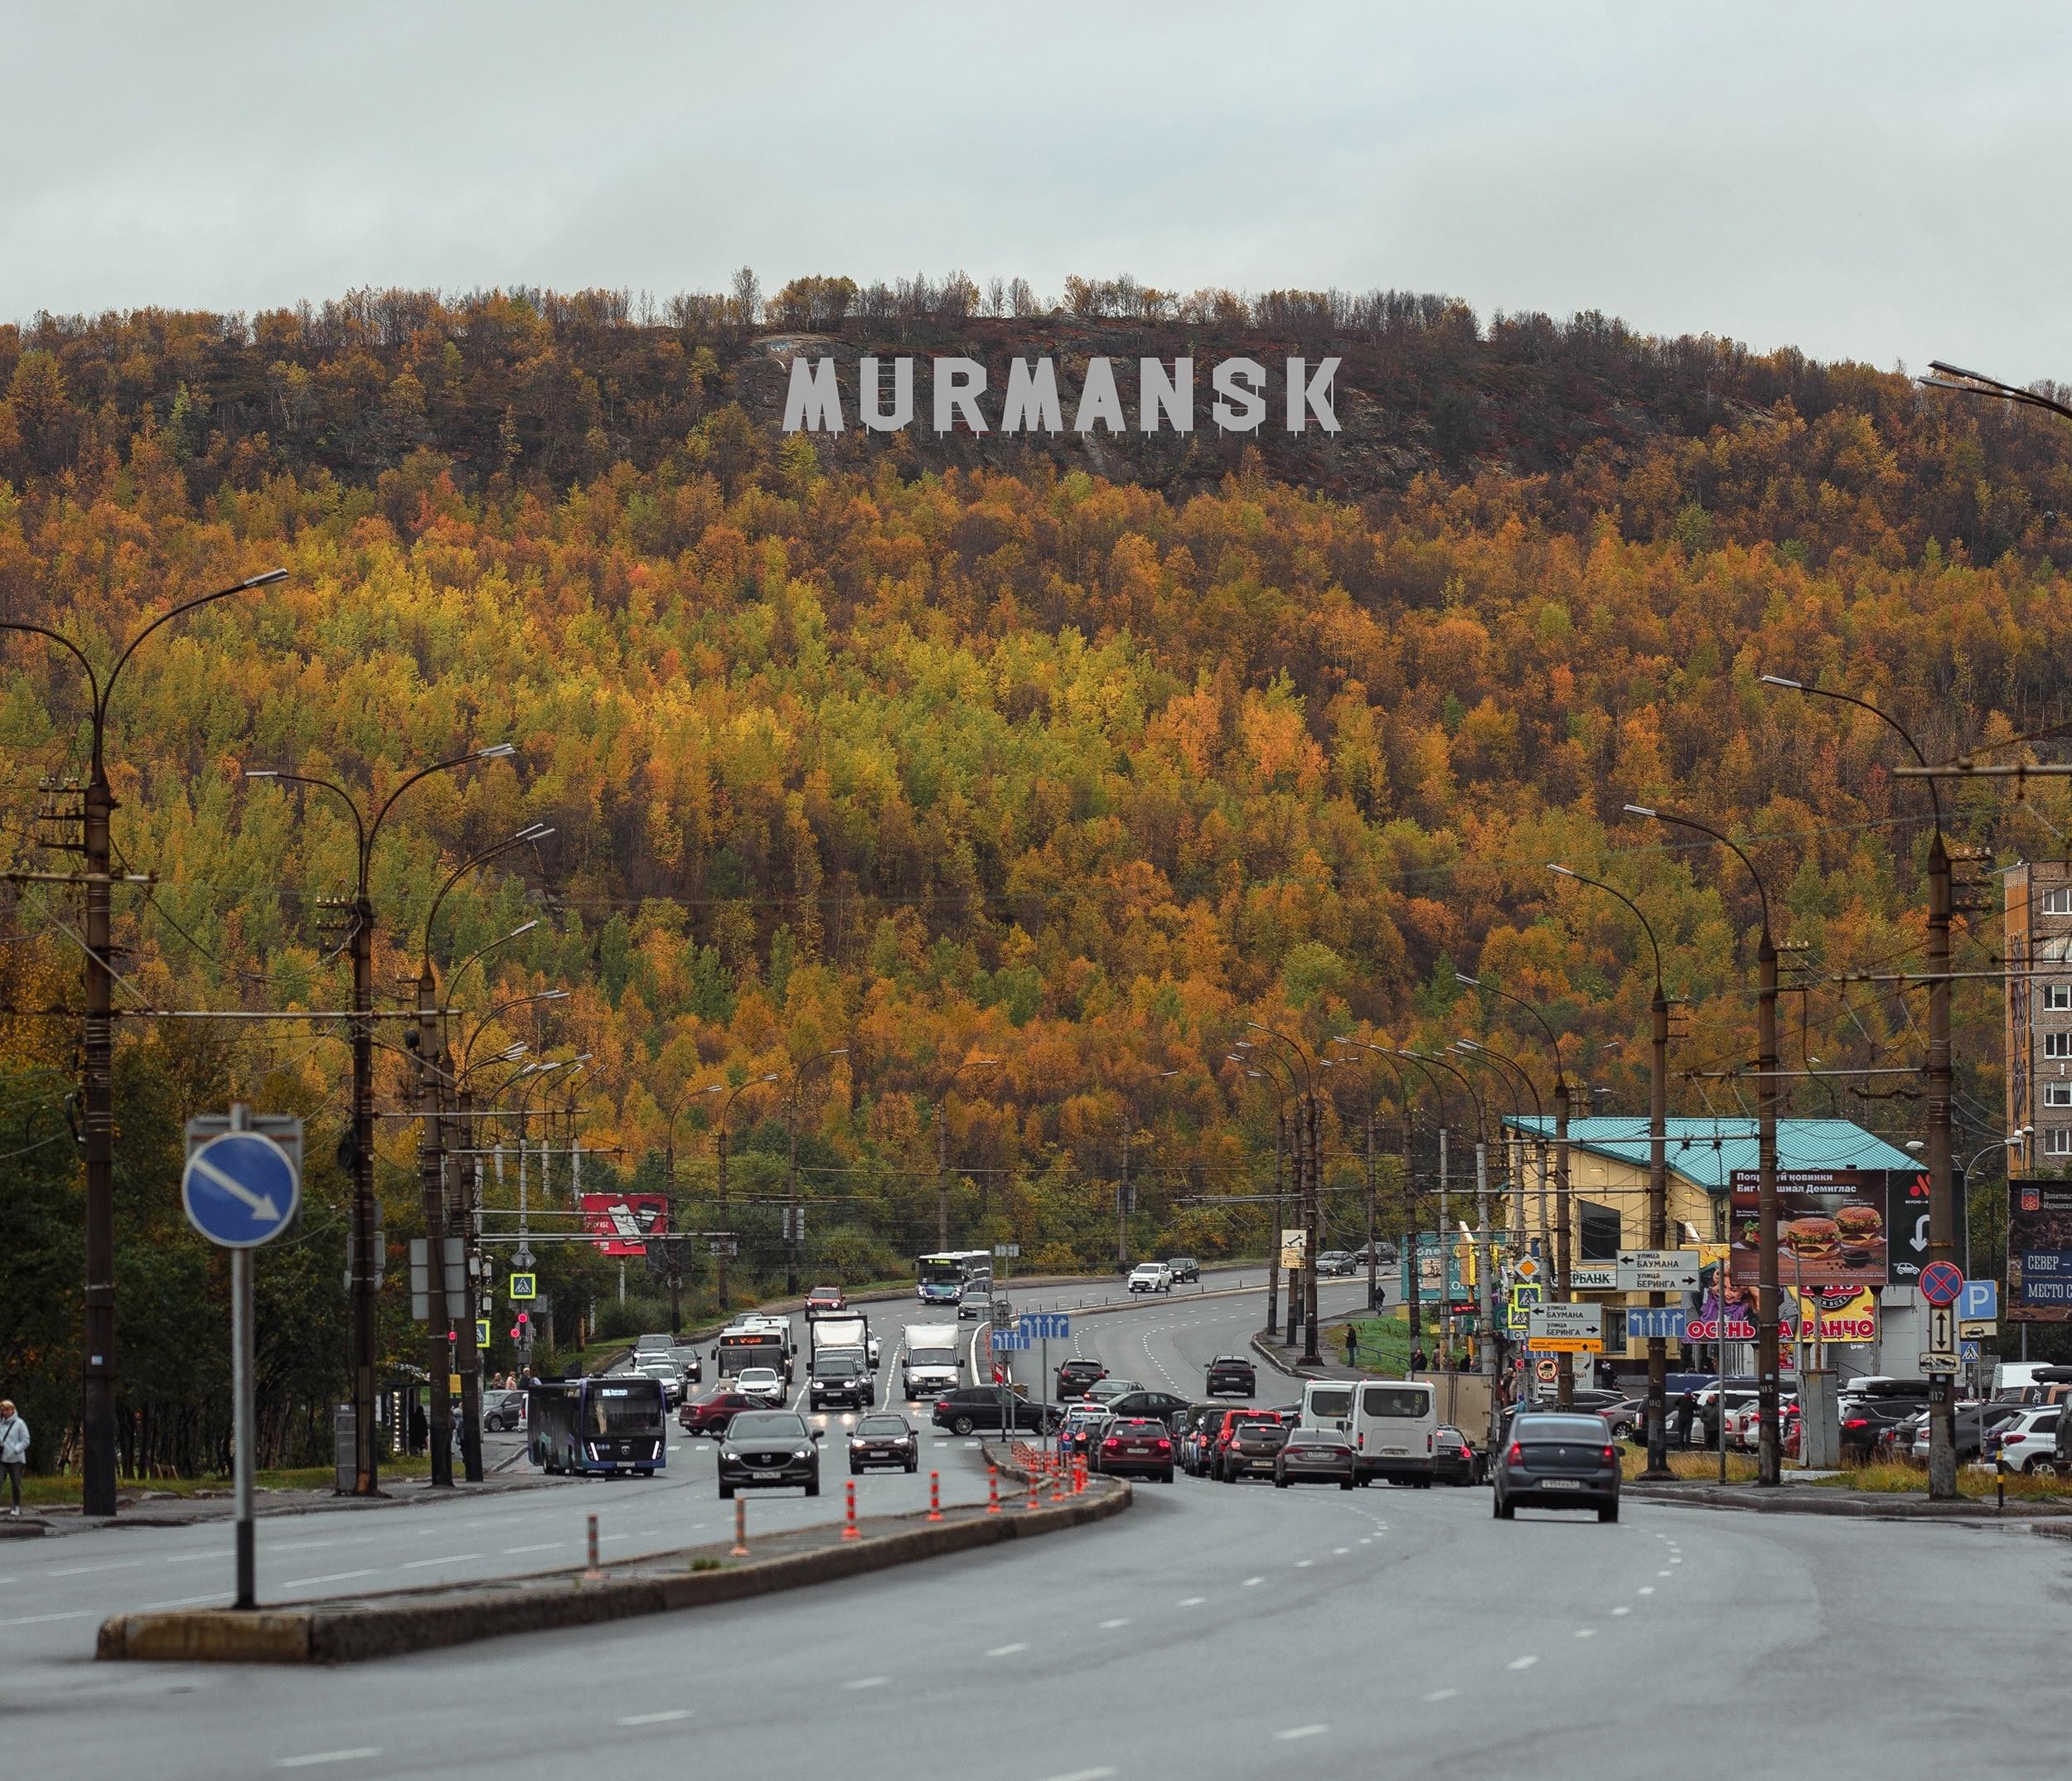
{"type": "Point", "coordinates": [613, 1423]}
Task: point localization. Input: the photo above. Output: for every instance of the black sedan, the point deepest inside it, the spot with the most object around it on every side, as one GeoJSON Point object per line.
{"type": "Point", "coordinates": [1136, 1446]}
{"type": "Point", "coordinates": [886, 1440]}
{"type": "Point", "coordinates": [1314, 1456]}
{"type": "Point", "coordinates": [1553, 1461]}
{"type": "Point", "coordinates": [1161, 1407]}
{"type": "Point", "coordinates": [766, 1449]}
{"type": "Point", "coordinates": [1231, 1372]}
{"type": "Point", "coordinates": [1453, 1460]}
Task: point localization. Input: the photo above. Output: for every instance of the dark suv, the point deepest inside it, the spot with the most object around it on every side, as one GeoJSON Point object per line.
{"type": "Point", "coordinates": [1231, 1372]}
{"type": "Point", "coordinates": [978, 1407]}
{"type": "Point", "coordinates": [1255, 1444]}
{"type": "Point", "coordinates": [839, 1379]}
{"type": "Point", "coordinates": [765, 1449]}
{"type": "Point", "coordinates": [1185, 1269]}
{"type": "Point", "coordinates": [1075, 1376]}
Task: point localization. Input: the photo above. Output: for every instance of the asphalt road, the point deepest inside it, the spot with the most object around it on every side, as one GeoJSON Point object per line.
{"type": "Point", "coordinates": [1213, 1630]}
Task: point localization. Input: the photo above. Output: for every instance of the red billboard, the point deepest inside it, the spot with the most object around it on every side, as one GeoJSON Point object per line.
{"type": "Point", "coordinates": [621, 1221]}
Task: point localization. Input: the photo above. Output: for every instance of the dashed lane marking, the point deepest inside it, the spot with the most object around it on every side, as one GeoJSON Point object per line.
{"type": "Point", "coordinates": [1192, 1601]}
{"type": "Point", "coordinates": [452, 1558]}
{"type": "Point", "coordinates": [1622, 1611]}
{"type": "Point", "coordinates": [1645, 1589]}
{"type": "Point", "coordinates": [366, 1752]}
{"type": "Point", "coordinates": [661, 1718]}
{"type": "Point", "coordinates": [1082, 1774]}
{"type": "Point", "coordinates": [88, 1571]}
{"type": "Point", "coordinates": [1585, 1632]}
{"type": "Point", "coordinates": [1340, 1551]}
{"type": "Point", "coordinates": [1443, 1694]}
{"type": "Point", "coordinates": [73, 1614]}
{"type": "Point", "coordinates": [335, 1576]}
{"type": "Point", "coordinates": [1300, 1731]}
{"type": "Point", "coordinates": [1252, 1583]}
{"type": "Point", "coordinates": [1109, 1626]}
{"type": "Point", "coordinates": [544, 1545]}
{"type": "Point", "coordinates": [1304, 1564]}
{"type": "Point", "coordinates": [866, 1681]}
{"type": "Point", "coordinates": [1007, 1651]}
{"type": "Point", "coordinates": [1521, 1663]}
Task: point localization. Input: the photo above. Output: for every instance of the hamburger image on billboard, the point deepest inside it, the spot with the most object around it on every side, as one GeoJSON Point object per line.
{"type": "Point", "coordinates": [1830, 1227]}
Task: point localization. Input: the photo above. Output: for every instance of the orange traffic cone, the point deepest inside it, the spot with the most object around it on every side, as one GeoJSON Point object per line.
{"type": "Point", "coordinates": [992, 1488]}
{"type": "Point", "coordinates": [934, 1496]}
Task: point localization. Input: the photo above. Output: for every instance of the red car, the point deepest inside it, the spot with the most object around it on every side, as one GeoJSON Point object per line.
{"type": "Point", "coordinates": [713, 1414]}
{"type": "Point", "coordinates": [1137, 1444]}
{"type": "Point", "coordinates": [825, 1299]}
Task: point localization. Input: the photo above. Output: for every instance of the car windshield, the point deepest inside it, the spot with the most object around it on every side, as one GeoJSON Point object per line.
{"type": "Point", "coordinates": [834, 1366]}
{"type": "Point", "coordinates": [1332, 1400]}
{"type": "Point", "coordinates": [768, 1425]}
{"type": "Point", "coordinates": [1540, 1428]}
{"type": "Point", "coordinates": [1395, 1401]}
{"type": "Point", "coordinates": [883, 1426]}
{"type": "Point", "coordinates": [617, 1409]}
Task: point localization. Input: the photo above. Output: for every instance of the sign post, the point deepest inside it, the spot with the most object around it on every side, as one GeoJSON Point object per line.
{"type": "Point", "coordinates": [243, 1188]}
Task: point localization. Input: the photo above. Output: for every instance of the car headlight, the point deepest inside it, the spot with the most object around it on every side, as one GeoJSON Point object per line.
{"type": "Point", "coordinates": [800, 1453]}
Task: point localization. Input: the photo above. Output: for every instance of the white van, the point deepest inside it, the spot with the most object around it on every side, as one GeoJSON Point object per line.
{"type": "Point", "coordinates": [1392, 1423]}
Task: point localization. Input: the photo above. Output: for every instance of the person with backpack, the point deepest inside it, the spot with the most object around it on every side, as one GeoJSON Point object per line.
{"type": "Point", "coordinates": [14, 1452]}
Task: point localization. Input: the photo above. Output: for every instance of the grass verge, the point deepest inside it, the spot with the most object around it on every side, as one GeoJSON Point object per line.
{"type": "Point", "coordinates": [1382, 1344]}
{"type": "Point", "coordinates": [54, 1492]}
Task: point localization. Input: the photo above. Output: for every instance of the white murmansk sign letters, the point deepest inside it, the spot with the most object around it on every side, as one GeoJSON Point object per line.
{"type": "Point", "coordinates": [1031, 402]}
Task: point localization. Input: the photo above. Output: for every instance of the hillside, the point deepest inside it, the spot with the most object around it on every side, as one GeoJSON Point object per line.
{"type": "Point", "coordinates": [1077, 756]}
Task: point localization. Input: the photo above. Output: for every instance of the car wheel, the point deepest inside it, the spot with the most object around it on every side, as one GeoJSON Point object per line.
{"type": "Point", "coordinates": [726, 1490]}
{"type": "Point", "coordinates": [2040, 1469]}
{"type": "Point", "coordinates": [1506, 1512]}
{"type": "Point", "coordinates": [1166, 1477]}
{"type": "Point", "coordinates": [1609, 1512]}
{"type": "Point", "coordinates": [960, 1425]}
{"type": "Point", "coordinates": [1345, 1483]}
{"type": "Point", "coordinates": [855, 1470]}
{"type": "Point", "coordinates": [812, 1487]}
{"type": "Point", "coordinates": [912, 1466]}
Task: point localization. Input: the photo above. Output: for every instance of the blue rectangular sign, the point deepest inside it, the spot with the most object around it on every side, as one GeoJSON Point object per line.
{"type": "Point", "coordinates": [2046, 1276]}
{"type": "Point", "coordinates": [1643, 1321]}
{"type": "Point", "coordinates": [1046, 1326]}
{"type": "Point", "coordinates": [1010, 1338]}
{"type": "Point", "coordinates": [1979, 1303]}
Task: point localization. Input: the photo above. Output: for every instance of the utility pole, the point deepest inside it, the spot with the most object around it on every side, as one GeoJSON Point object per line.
{"type": "Point", "coordinates": [1942, 1203]}
{"type": "Point", "coordinates": [440, 1335]}
{"type": "Point", "coordinates": [1315, 1225]}
{"type": "Point", "coordinates": [97, 1050]}
{"type": "Point", "coordinates": [1273, 1236]}
{"type": "Point", "coordinates": [1658, 1224]}
{"type": "Point", "coordinates": [1565, 1363]}
{"type": "Point", "coordinates": [942, 1175]}
{"type": "Point", "coordinates": [1373, 1302]}
{"type": "Point", "coordinates": [464, 1168]}
{"type": "Point", "coordinates": [1122, 1201]}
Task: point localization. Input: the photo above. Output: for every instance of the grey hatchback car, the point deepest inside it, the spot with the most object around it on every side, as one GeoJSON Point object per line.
{"type": "Point", "coordinates": [1556, 1462]}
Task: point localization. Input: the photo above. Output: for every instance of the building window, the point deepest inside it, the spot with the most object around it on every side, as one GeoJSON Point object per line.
{"type": "Point", "coordinates": [2058, 902]}
{"type": "Point", "coordinates": [2057, 1094]}
{"type": "Point", "coordinates": [2057, 997]}
{"type": "Point", "coordinates": [2057, 1141]}
{"type": "Point", "coordinates": [1600, 1232]}
{"type": "Point", "coordinates": [2057, 1044]}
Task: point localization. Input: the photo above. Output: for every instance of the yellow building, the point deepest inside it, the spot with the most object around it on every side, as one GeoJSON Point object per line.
{"type": "Point", "coordinates": [1608, 1188]}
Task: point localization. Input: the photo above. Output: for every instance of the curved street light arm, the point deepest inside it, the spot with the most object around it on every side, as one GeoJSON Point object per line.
{"type": "Point", "coordinates": [1646, 925]}
{"type": "Point", "coordinates": [495, 752]}
{"type": "Point", "coordinates": [1755, 877]}
{"type": "Point", "coordinates": [1885, 717]}
{"type": "Point", "coordinates": [337, 791]}
{"type": "Point", "coordinates": [1519, 1001]}
{"type": "Point", "coordinates": [167, 617]}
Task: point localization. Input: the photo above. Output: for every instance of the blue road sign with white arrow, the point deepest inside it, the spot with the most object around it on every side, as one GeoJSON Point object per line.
{"type": "Point", "coordinates": [240, 1190]}
{"type": "Point", "coordinates": [1046, 1326]}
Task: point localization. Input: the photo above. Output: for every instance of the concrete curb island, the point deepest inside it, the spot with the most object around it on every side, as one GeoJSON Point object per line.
{"type": "Point", "coordinates": [352, 1631]}
{"type": "Point", "coordinates": [1877, 1506]}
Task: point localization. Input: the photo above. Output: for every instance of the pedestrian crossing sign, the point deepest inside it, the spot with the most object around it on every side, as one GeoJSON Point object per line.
{"type": "Point", "coordinates": [521, 1287]}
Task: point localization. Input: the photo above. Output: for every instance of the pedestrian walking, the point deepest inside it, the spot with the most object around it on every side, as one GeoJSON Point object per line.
{"type": "Point", "coordinates": [1419, 1361]}
{"type": "Point", "coordinates": [14, 1452]}
{"type": "Point", "coordinates": [1352, 1343]}
{"type": "Point", "coordinates": [1686, 1405]}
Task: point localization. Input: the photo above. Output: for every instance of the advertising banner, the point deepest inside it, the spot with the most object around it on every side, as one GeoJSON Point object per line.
{"type": "Point", "coordinates": [1831, 1227]}
{"type": "Point", "coordinates": [621, 1221]}
{"type": "Point", "coordinates": [1426, 1263]}
{"type": "Point", "coordinates": [2038, 1253]}
{"type": "Point", "coordinates": [1845, 1315]}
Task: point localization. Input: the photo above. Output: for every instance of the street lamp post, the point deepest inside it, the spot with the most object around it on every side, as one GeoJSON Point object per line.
{"type": "Point", "coordinates": [1413, 1290]}
{"type": "Point", "coordinates": [1486, 1055]}
{"type": "Point", "coordinates": [669, 1191]}
{"type": "Point", "coordinates": [1942, 1188]}
{"type": "Point", "coordinates": [1309, 1182]}
{"type": "Point", "coordinates": [364, 1271]}
{"type": "Point", "coordinates": [98, 1058]}
{"type": "Point", "coordinates": [1657, 1174]}
{"type": "Point", "coordinates": [1769, 1456]}
{"type": "Point", "coordinates": [793, 1219]}
{"type": "Point", "coordinates": [1280, 1136]}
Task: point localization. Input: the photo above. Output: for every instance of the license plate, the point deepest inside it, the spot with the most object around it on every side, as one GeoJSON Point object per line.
{"type": "Point", "coordinates": [1395, 1450]}
{"type": "Point", "coordinates": [1561, 1483]}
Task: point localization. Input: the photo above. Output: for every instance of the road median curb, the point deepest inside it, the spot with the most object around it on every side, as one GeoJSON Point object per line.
{"type": "Point", "coordinates": [390, 1625]}
{"type": "Point", "coordinates": [1807, 1500]}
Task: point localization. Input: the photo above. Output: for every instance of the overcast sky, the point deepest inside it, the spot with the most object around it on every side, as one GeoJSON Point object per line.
{"type": "Point", "coordinates": [1881, 181]}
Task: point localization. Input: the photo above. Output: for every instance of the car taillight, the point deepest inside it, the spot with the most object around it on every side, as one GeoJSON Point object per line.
{"type": "Point", "coordinates": [1611, 1453]}
{"type": "Point", "coordinates": [1111, 1445]}
{"type": "Point", "coordinates": [1857, 1422]}
{"type": "Point", "coordinates": [1515, 1455]}
{"type": "Point", "coordinates": [1165, 1447]}
{"type": "Point", "coordinates": [942, 1403]}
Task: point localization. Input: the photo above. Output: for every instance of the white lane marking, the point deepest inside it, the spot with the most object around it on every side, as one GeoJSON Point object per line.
{"type": "Point", "coordinates": [1615, 1610]}
{"type": "Point", "coordinates": [1007, 1651]}
{"type": "Point", "coordinates": [335, 1576]}
{"type": "Point", "coordinates": [88, 1571]}
{"type": "Point", "coordinates": [1674, 1560]}
{"type": "Point", "coordinates": [657, 1719]}
{"type": "Point", "coordinates": [195, 1558]}
{"type": "Point", "coordinates": [1443, 1694]}
{"type": "Point", "coordinates": [868, 1682]}
{"type": "Point", "coordinates": [1304, 1564]}
{"type": "Point", "coordinates": [180, 1601]}
{"type": "Point", "coordinates": [1082, 1774]}
{"type": "Point", "coordinates": [315, 1757]}
{"type": "Point", "coordinates": [1585, 1632]}
{"type": "Point", "coordinates": [548, 1546]}
{"type": "Point", "coordinates": [1340, 1551]}
{"type": "Point", "coordinates": [1646, 1589]}
{"type": "Point", "coordinates": [1521, 1663]}
{"type": "Point", "coordinates": [73, 1614]}
{"type": "Point", "coordinates": [1252, 1582]}
{"type": "Point", "coordinates": [452, 1558]}
{"type": "Point", "coordinates": [1109, 1626]}
{"type": "Point", "coordinates": [1300, 1731]}
{"type": "Point", "coordinates": [1192, 1601]}
{"type": "Point", "coordinates": [1663, 1573]}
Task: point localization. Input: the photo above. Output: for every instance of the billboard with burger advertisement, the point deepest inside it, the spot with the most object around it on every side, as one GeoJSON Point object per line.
{"type": "Point", "coordinates": [2038, 1253]}
{"type": "Point", "coordinates": [1831, 1227]}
